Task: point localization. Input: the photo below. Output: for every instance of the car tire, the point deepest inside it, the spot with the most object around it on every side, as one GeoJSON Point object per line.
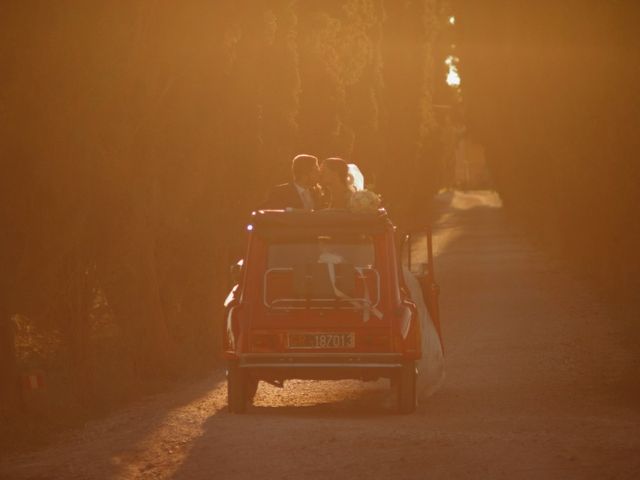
{"type": "Point", "coordinates": [406, 388]}
{"type": "Point", "coordinates": [236, 389]}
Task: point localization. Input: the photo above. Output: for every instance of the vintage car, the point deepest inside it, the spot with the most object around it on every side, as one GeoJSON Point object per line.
{"type": "Point", "coordinates": [320, 295]}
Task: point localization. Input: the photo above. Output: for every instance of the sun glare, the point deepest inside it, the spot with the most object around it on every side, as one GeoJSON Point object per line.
{"type": "Point", "coordinates": [453, 77]}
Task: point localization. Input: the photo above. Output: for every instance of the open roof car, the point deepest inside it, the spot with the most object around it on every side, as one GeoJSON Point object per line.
{"type": "Point", "coordinates": [320, 295]}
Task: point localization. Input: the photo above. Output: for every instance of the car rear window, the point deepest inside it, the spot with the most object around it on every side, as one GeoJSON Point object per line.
{"type": "Point", "coordinates": [356, 250]}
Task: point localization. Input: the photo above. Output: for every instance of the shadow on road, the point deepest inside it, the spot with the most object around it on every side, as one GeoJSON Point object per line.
{"type": "Point", "coordinates": [109, 446]}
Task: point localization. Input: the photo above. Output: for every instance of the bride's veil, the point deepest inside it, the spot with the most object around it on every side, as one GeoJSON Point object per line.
{"type": "Point", "coordinates": [355, 179]}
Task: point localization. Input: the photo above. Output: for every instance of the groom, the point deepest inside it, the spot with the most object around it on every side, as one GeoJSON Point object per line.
{"type": "Point", "coordinates": [303, 192]}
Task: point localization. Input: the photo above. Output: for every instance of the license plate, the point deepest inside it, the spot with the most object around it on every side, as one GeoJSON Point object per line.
{"type": "Point", "coordinates": [322, 340]}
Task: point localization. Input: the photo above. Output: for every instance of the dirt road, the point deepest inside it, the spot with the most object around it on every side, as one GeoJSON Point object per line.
{"type": "Point", "coordinates": [540, 383]}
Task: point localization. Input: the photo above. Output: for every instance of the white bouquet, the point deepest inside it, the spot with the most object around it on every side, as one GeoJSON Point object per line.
{"type": "Point", "coordinates": [364, 201]}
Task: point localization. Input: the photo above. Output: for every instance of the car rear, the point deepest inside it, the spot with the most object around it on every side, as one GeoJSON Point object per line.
{"type": "Point", "coordinates": [321, 300]}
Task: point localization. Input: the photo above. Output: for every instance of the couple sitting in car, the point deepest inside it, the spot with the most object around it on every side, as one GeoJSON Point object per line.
{"type": "Point", "coordinates": [314, 186]}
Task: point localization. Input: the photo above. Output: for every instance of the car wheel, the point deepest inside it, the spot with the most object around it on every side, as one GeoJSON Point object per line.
{"type": "Point", "coordinates": [406, 388]}
{"type": "Point", "coordinates": [236, 389]}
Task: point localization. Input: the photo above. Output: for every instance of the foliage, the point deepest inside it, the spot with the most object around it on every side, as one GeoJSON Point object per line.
{"type": "Point", "coordinates": [135, 137]}
{"type": "Point", "coordinates": [551, 89]}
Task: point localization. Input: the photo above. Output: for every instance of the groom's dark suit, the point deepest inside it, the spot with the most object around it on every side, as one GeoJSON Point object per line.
{"type": "Point", "coordinates": [283, 196]}
{"type": "Point", "coordinates": [287, 196]}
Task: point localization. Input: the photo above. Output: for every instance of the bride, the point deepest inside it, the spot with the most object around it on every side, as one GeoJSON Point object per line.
{"type": "Point", "coordinates": [335, 178]}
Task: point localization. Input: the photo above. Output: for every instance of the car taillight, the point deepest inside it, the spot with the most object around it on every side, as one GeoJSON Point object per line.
{"type": "Point", "coordinates": [405, 316]}
{"type": "Point", "coordinates": [230, 334]}
{"type": "Point", "coordinates": [402, 327]}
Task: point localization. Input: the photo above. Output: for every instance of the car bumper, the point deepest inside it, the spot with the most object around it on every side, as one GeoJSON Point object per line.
{"type": "Point", "coordinates": [356, 361]}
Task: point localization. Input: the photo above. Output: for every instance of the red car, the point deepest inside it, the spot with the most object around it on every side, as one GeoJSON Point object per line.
{"type": "Point", "coordinates": [320, 296]}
